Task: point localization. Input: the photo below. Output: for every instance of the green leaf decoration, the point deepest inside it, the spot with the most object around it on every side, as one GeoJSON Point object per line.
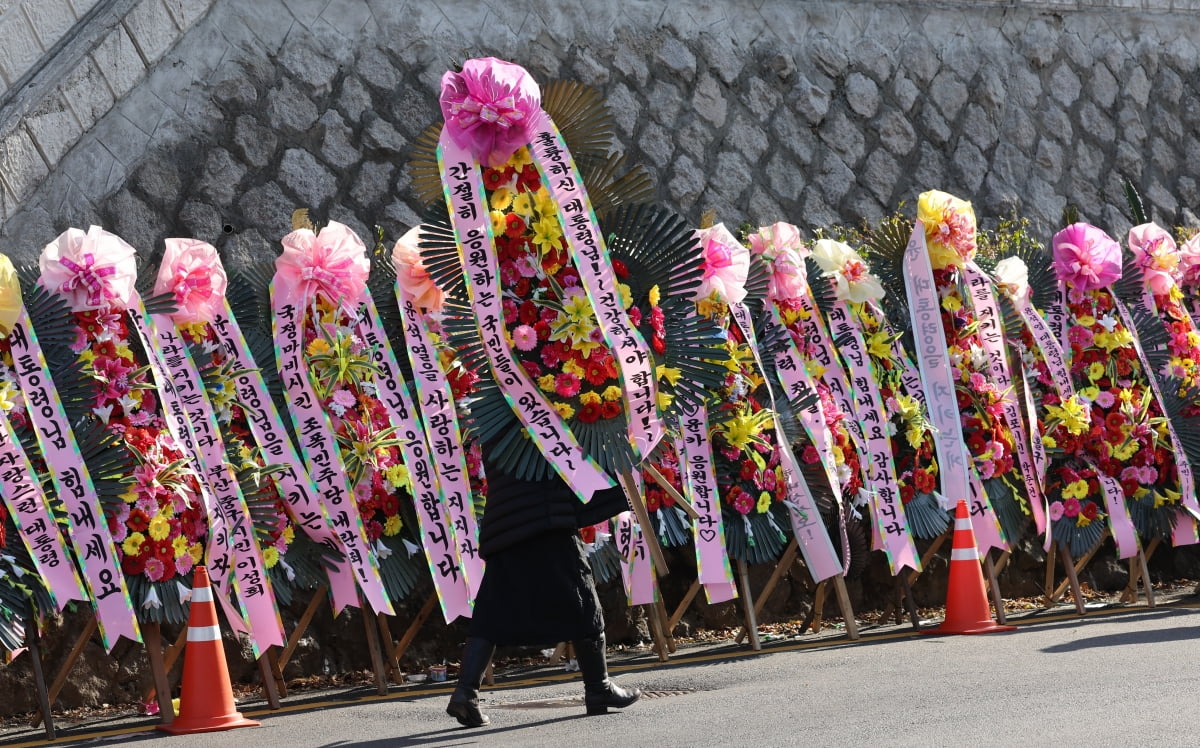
{"type": "Point", "coordinates": [606, 562]}
{"type": "Point", "coordinates": [756, 538]}
{"type": "Point", "coordinates": [423, 166]}
{"type": "Point", "coordinates": [1007, 506]}
{"type": "Point", "coordinates": [1137, 209]}
{"type": "Point", "coordinates": [439, 251]}
{"type": "Point", "coordinates": [1129, 287]}
{"type": "Point", "coordinates": [249, 297]}
{"type": "Point", "coordinates": [169, 610]}
{"type": "Point", "coordinates": [883, 249]}
{"type": "Point", "coordinates": [820, 286]}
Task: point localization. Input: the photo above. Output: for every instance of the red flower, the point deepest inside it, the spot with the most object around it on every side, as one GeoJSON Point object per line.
{"type": "Point", "coordinates": [1089, 510]}
{"type": "Point", "coordinates": [620, 269]}
{"type": "Point", "coordinates": [610, 409]}
{"type": "Point", "coordinates": [514, 225]}
{"type": "Point", "coordinates": [589, 413]}
{"type": "Point", "coordinates": [494, 178]}
{"type": "Point", "coordinates": [923, 481]}
{"type": "Point", "coordinates": [138, 521]}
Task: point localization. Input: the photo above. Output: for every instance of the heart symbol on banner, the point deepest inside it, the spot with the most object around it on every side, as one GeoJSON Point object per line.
{"type": "Point", "coordinates": [708, 535]}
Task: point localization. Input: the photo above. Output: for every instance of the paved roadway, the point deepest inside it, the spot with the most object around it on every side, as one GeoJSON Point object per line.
{"type": "Point", "coordinates": [1114, 678]}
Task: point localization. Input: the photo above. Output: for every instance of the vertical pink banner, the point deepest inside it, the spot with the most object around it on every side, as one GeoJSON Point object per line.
{"type": "Point", "coordinates": [695, 456]}
{"type": "Point", "coordinates": [937, 380]}
{"type": "Point", "coordinates": [94, 547]}
{"type": "Point", "coordinates": [637, 568]}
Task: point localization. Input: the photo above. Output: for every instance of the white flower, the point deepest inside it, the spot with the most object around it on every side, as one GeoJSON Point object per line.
{"type": "Point", "coordinates": [1013, 277]}
{"type": "Point", "coordinates": [852, 277]}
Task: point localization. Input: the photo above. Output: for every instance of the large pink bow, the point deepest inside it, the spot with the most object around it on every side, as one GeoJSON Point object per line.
{"type": "Point", "coordinates": [780, 245]}
{"type": "Point", "coordinates": [333, 262]}
{"type": "Point", "coordinates": [1085, 257]}
{"type": "Point", "coordinates": [192, 270]}
{"type": "Point", "coordinates": [96, 270]}
{"type": "Point", "coordinates": [726, 264]}
{"type": "Point", "coordinates": [1156, 254]}
{"type": "Point", "coordinates": [489, 108]}
{"type": "Point", "coordinates": [412, 275]}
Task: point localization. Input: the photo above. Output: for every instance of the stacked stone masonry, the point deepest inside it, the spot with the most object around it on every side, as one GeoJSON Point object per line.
{"type": "Point", "coordinates": [217, 118]}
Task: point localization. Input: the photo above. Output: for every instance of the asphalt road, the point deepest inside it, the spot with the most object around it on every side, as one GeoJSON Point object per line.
{"type": "Point", "coordinates": [1113, 678]}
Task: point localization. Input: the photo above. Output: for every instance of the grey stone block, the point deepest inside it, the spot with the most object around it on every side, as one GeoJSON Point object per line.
{"type": "Point", "coordinates": [708, 101]}
{"type": "Point", "coordinates": [834, 177]}
{"type": "Point", "coordinates": [19, 48]}
{"type": "Point", "coordinates": [1136, 86]}
{"type": "Point", "coordinates": [811, 100]}
{"type": "Point", "coordinates": [202, 221]}
{"type": "Point", "coordinates": [374, 67]}
{"type": "Point", "coordinates": [840, 134]}
{"type": "Point", "coordinates": [399, 217]}
{"type": "Point", "coordinates": [119, 62]}
{"type": "Point", "coordinates": [828, 55]}
{"type": "Point", "coordinates": [979, 128]}
{"type": "Point", "coordinates": [588, 69]}
{"type": "Point", "coordinates": [948, 93]}
{"type": "Point", "coordinates": [895, 132]}
{"type": "Point", "coordinates": [761, 99]}
{"type": "Point", "coordinates": [353, 99]}
{"type": "Point", "coordinates": [970, 166]}
{"type": "Point", "coordinates": [220, 181]}
{"type": "Point", "coordinates": [159, 182]}
{"type": "Point", "coordinates": [784, 176]}
{"type": "Point", "coordinates": [666, 101]}
{"type": "Point", "coordinates": [881, 174]}
{"type": "Point", "coordinates": [288, 107]}
{"type": "Point", "coordinates": [235, 93]}
{"type": "Point", "coordinates": [694, 138]}
{"type": "Point", "coordinates": [373, 185]}
{"type": "Point", "coordinates": [253, 142]}
{"type": "Point", "coordinates": [862, 95]}
{"type": "Point", "coordinates": [731, 176]}
{"type": "Point", "coordinates": [50, 20]}
{"type": "Point", "coordinates": [85, 92]}
{"type": "Point", "coordinates": [337, 147]}
{"type": "Point", "coordinates": [306, 178]}
{"type": "Point", "coordinates": [686, 183]}
{"type": "Point", "coordinates": [268, 210]}
{"type": "Point", "coordinates": [380, 135]}
{"type": "Point", "coordinates": [152, 29]}
{"type": "Point", "coordinates": [304, 60]}
{"type": "Point", "coordinates": [789, 133]}
{"type": "Point", "coordinates": [677, 58]}
{"type": "Point", "coordinates": [748, 138]}
{"type": "Point", "coordinates": [53, 127]}
{"type": "Point", "coordinates": [762, 209]}
{"type": "Point", "coordinates": [1064, 85]}
{"type": "Point", "coordinates": [134, 221]}
{"type": "Point", "coordinates": [905, 92]}
{"type": "Point", "coordinates": [656, 144]}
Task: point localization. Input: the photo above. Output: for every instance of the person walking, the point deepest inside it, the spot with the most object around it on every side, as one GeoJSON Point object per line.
{"type": "Point", "coordinates": [537, 587]}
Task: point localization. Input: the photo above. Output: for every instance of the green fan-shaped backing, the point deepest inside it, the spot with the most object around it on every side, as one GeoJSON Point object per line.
{"type": "Point", "coordinates": [1006, 504]}
{"type": "Point", "coordinates": [884, 251]}
{"type": "Point", "coordinates": [659, 249]}
{"type": "Point", "coordinates": [671, 526]}
{"type": "Point", "coordinates": [926, 519]}
{"type": "Point", "coordinates": [606, 562]}
{"type": "Point", "coordinates": [611, 182]}
{"type": "Point", "coordinates": [764, 543]}
{"type": "Point", "coordinates": [1079, 539]}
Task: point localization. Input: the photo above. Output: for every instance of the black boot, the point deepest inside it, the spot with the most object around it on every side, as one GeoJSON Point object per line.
{"type": "Point", "coordinates": [464, 702]}
{"type": "Point", "coordinates": [600, 693]}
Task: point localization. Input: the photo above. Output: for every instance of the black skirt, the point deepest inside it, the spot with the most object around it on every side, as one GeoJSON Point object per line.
{"type": "Point", "coordinates": [538, 592]}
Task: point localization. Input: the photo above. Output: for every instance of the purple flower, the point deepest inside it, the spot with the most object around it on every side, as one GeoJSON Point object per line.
{"type": "Point", "coordinates": [490, 108]}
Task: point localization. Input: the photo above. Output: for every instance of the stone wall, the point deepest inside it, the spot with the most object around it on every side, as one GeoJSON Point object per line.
{"type": "Point", "coordinates": [815, 113]}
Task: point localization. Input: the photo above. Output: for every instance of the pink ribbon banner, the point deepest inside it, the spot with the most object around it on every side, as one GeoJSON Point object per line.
{"type": "Point", "coordinates": [94, 547]}
{"type": "Point", "coordinates": [219, 553]}
{"type": "Point", "coordinates": [444, 436]}
{"type": "Point", "coordinates": [793, 375]}
{"type": "Point", "coordinates": [809, 531]}
{"type": "Point", "coordinates": [637, 568]}
{"type": "Point", "coordinates": [293, 481]}
{"type": "Point", "coordinates": [463, 187]}
{"type": "Point", "coordinates": [890, 519]}
{"type": "Point", "coordinates": [1185, 530]}
{"type": "Point", "coordinates": [937, 380]}
{"type": "Point", "coordinates": [324, 461]}
{"type": "Point", "coordinates": [30, 512]}
{"type": "Point", "coordinates": [587, 248]}
{"type": "Point", "coordinates": [252, 584]}
{"type": "Point", "coordinates": [992, 335]}
{"type": "Point", "coordinates": [437, 525]}
{"type": "Point", "coordinates": [695, 454]}
{"type": "Point", "coordinates": [832, 373]}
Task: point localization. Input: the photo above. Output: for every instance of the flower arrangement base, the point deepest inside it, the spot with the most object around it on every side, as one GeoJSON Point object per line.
{"type": "Point", "coordinates": [60, 680]}
{"type": "Point", "coordinates": [39, 677]}
{"type": "Point", "coordinates": [1072, 568]}
{"type": "Point", "coordinates": [1139, 570]}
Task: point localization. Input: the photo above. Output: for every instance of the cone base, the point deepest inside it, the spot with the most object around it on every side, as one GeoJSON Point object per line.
{"type": "Point", "coordinates": [181, 726]}
{"type": "Point", "coordinates": [980, 627]}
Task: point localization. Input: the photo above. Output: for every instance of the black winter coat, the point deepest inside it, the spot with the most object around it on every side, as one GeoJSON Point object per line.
{"type": "Point", "coordinates": [517, 510]}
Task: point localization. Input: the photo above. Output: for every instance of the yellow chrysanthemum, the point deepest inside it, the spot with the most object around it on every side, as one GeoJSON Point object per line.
{"type": "Point", "coordinates": [1049, 442]}
{"type": "Point", "coordinates": [197, 552]}
{"type": "Point", "coordinates": [546, 383]}
{"type": "Point", "coordinates": [1086, 320]}
{"type": "Point", "coordinates": [1095, 370]}
{"type": "Point", "coordinates": [573, 367]}
{"type": "Point", "coordinates": [498, 224]}
{"type": "Point", "coordinates": [1075, 490]}
{"type": "Point", "coordinates": [626, 295]}
{"type": "Point", "coordinates": [398, 476]}
{"type": "Point", "coordinates": [133, 543]}
{"type": "Point", "coordinates": [288, 534]}
{"type": "Point", "coordinates": [180, 546]}
{"type": "Point", "coordinates": [879, 345]}
{"type": "Point", "coordinates": [501, 198]}
{"type": "Point", "coordinates": [160, 527]}
{"type": "Point", "coordinates": [612, 393]}
{"type": "Point", "coordinates": [270, 557]}
{"type": "Point", "coordinates": [391, 527]}
{"type": "Point", "coordinates": [520, 158]}
{"type": "Point", "coordinates": [318, 347]}
{"type": "Point", "coordinates": [564, 410]}
{"type": "Point", "coordinates": [952, 303]}
{"type": "Point", "coordinates": [655, 295]}
{"type": "Point", "coordinates": [589, 398]}
{"type": "Point", "coordinates": [764, 502]}
{"type": "Point", "coordinates": [522, 204]}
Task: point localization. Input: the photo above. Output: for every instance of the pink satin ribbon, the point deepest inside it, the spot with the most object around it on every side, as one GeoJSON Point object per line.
{"type": "Point", "coordinates": [445, 439]}
{"type": "Point", "coordinates": [933, 361]}
{"type": "Point", "coordinates": [819, 555]}
{"type": "Point", "coordinates": [86, 275]}
{"type": "Point", "coordinates": [695, 455]}
{"type": "Point", "coordinates": [95, 550]}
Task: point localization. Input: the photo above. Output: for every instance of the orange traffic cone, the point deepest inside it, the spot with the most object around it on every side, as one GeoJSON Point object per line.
{"type": "Point", "coordinates": [206, 696]}
{"type": "Point", "coordinates": [967, 609]}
